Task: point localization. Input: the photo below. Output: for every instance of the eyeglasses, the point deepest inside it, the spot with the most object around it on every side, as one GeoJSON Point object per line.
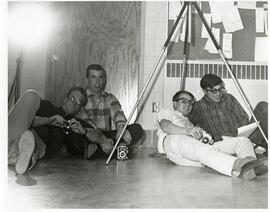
{"type": "Point", "coordinates": [185, 101]}
{"type": "Point", "coordinates": [220, 90]}
{"type": "Point", "coordinates": [74, 100]}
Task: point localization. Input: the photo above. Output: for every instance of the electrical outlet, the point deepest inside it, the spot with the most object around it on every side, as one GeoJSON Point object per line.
{"type": "Point", "coordinates": [155, 107]}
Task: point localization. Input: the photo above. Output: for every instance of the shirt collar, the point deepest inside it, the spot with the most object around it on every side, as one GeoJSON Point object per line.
{"type": "Point", "coordinates": [180, 114]}
{"type": "Point", "coordinates": [206, 99]}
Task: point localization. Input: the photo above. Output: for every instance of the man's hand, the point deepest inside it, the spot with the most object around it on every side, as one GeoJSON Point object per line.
{"type": "Point", "coordinates": [195, 132]}
{"type": "Point", "coordinates": [56, 120]}
{"type": "Point", "coordinates": [76, 127]}
{"type": "Point", "coordinates": [126, 136]}
{"type": "Point", "coordinates": [107, 145]}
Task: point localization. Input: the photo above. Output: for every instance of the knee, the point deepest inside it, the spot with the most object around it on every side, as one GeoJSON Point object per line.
{"type": "Point", "coordinates": [245, 141]}
{"type": "Point", "coordinates": [262, 107]}
{"type": "Point", "coordinates": [137, 130]}
{"type": "Point", "coordinates": [29, 101]}
{"type": "Point", "coordinates": [31, 96]}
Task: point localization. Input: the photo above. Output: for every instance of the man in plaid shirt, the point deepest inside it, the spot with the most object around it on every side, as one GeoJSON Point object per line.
{"type": "Point", "coordinates": [220, 114]}
{"type": "Point", "coordinates": [103, 111]}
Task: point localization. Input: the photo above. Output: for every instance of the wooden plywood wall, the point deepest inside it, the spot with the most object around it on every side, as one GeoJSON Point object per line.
{"type": "Point", "coordinates": [107, 33]}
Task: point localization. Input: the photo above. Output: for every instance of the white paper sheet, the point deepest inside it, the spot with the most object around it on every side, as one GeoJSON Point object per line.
{"type": "Point", "coordinates": [219, 10]}
{"type": "Point", "coordinates": [174, 9]}
{"type": "Point", "coordinates": [210, 47]}
{"type": "Point", "coordinates": [215, 11]}
{"type": "Point", "coordinates": [199, 3]}
{"type": "Point", "coordinates": [246, 4]}
{"type": "Point", "coordinates": [246, 130]}
{"type": "Point", "coordinates": [259, 20]}
{"type": "Point", "coordinates": [232, 21]}
{"type": "Point", "coordinates": [227, 45]}
{"type": "Point", "coordinates": [265, 21]}
{"type": "Point", "coordinates": [176, 34]}
{"type": "Point", "coordinates": [183, 30]}
{"type": "Point", "coordinates": [207, 17]}
{"type": "Point", "coordinates": [261, 53]}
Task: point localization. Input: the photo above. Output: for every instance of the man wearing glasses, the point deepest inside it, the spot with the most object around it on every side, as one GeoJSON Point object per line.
{"type": "Point", "coordinates": [181, 141]}
{"type": "Point", "coordinates": [36, 127]}
{"type": "Point", "coordinates": [220, 114]}
{"type": "Point", "coordinates": [103, 111]}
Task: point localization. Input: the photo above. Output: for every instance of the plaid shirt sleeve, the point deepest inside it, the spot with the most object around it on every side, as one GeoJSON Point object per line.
{"type": "Point", "coordinates": [193, 116]}
{"type": "Point", "coordinates": [116, 112]}
{"type": "Point", "coordinates": [239, 112]}
{"type": "Point", "coordinates": [82, 115]}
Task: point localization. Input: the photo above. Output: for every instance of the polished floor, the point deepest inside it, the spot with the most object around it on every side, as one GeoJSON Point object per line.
{"type": "Point", "coordinates": [143, 182]}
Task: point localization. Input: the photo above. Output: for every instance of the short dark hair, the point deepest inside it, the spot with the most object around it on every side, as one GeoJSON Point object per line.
{"type": "Point", "coordinates": [82, 91]}
{"type": "Point", "coordinates": [210, 81]}
{"type": "Point", "coordinates": [95, 67]}
{"type": "Point", "coordinates": [179, 93]}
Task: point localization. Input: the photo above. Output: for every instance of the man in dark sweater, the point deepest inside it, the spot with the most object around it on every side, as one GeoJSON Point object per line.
{"type": "Point", "coordinates": [37, 128]}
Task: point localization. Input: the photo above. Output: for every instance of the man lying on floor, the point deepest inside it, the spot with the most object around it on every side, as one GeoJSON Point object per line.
{"type": "Point", "coordinates": [182, 143]}
{"type": "Point", "coordinates": [35, 127]}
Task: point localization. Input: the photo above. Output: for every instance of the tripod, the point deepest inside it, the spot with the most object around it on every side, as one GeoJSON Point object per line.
{"type": "Point", "coordinates": [182, 86]}
{"type": "Point", "coordinates": [14, 93]}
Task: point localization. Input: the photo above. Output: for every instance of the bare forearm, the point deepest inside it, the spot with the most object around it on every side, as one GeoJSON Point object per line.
{"type": "Point", "coordinates": [172, 129]}
{"type": "Point", "coordinates": [95, 136]}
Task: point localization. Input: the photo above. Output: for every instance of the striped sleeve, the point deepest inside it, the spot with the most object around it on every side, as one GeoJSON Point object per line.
{"type": "Point", "coordinates": [239, 112]}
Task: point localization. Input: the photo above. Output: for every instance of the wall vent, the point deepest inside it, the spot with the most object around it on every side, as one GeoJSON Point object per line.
{"type": "Point", "coordinates": [196, 69]}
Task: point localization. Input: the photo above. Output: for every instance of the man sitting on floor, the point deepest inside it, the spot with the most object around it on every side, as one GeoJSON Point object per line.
{"type": "Point", "coordinates": [220, 114]}
{"type": "Point", "coordinates": [181, 141]}
{"type": "Point", "coordinates": [35, 127]}
{"type": "Point", "coordinates": [103, 111]}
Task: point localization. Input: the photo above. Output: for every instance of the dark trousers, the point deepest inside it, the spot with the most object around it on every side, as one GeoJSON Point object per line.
{"type": "Point", "coordinates": [261, 114]}
{"type": "Point", "coordinates": [76, 144]}
{"type": "Point", "coordinates": [52, 137]}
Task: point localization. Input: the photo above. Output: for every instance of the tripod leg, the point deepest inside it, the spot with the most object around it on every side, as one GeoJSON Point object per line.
{"type": "Point", "coordinates": [149, 79]}
{"type": "Point", "coordinates": [18, 78]}
{"type": "Point", "coordinates": [229, 69]}
{"type": "Point", "coordinates": [186, 45]}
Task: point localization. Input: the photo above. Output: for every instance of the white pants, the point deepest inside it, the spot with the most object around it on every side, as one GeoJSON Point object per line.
{"type": "Point", "coordinates": [187, 151]}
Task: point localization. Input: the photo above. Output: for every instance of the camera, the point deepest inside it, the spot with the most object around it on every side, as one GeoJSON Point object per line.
{"type": "Point", "coordinates": [207, 138]}
{"type": "Point", "coordinates": [122, 152]}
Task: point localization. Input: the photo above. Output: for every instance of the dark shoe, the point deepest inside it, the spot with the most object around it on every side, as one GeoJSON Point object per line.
{"type": "Point", "coordinates": [26, 147]}
{"type": "Point", "coordinates": [263, 168]}
{"type": "Point", "coordinates": [90, 151]}
{"type": "Point", "coordinates": [260, 170]}
{"type": "Point", "coordinates": [249, 174]}
{"type": "Point", "coordinates": [244, 167]}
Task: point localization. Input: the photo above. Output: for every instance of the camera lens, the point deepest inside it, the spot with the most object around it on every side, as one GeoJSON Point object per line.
{"type": "Point", "coordinates": [205, 140]}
